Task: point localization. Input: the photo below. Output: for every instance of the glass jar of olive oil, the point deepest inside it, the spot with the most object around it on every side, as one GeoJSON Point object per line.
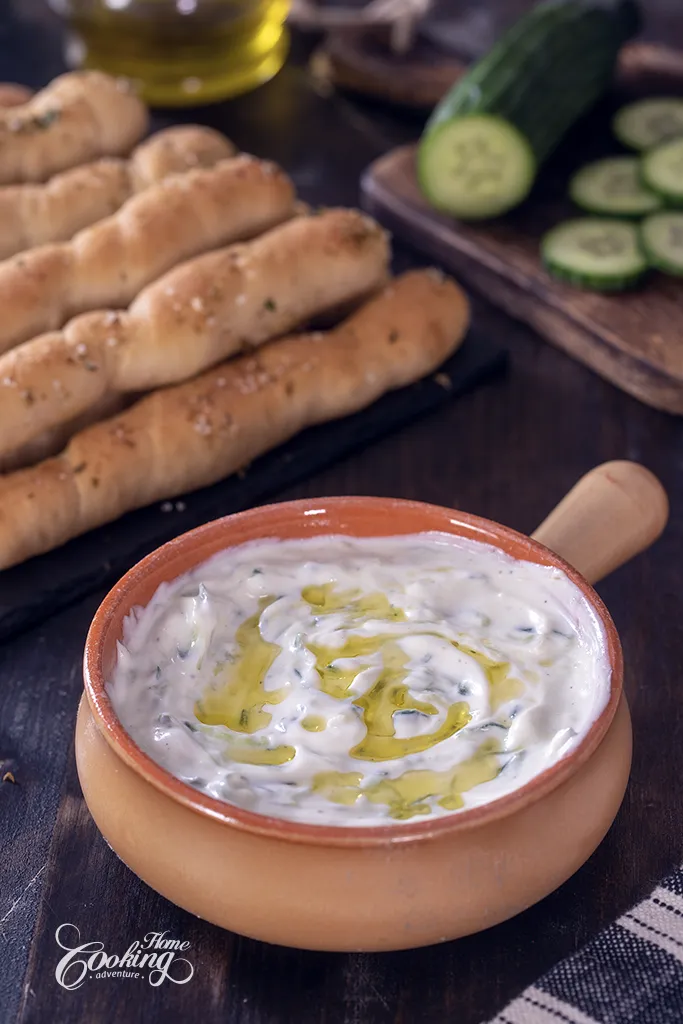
{"type": "Point", "coordinates": [179, 52]}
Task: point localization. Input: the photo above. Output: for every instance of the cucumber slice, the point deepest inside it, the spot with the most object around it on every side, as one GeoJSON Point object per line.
{"type": "Point", "coordinates": [613, 186]}
{"type": "Point", "coordinates": [662, 171]}
{"type": "Point", "coordinates": [475, 166]}
{"type": "Point", "coordinates": [594, 252]}
{"type": "Point", "coordinates": [662, 236]}
{"type": "Point", "coordinates": [540, 77]}
{"type": "Point", "coordinates": [646, 123]}
{"type": "Point", "coordinates": [546, 71]}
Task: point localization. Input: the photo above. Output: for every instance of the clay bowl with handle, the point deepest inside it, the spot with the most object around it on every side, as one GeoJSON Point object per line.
{"type": "Point", "coordinates": [386, 887]}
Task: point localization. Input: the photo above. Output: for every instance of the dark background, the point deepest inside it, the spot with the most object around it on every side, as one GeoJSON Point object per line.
{"type": "Point", "coordinates": [507, 451]}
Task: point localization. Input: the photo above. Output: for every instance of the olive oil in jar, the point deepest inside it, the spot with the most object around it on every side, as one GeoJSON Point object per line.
{"type": "Point", "coordinates": [180, 52]}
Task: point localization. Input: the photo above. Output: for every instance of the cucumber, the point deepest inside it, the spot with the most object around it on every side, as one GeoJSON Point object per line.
{"type": "Point", "coordinates": [662, 237]}
{"type": "Point", "coordinates": [486, 165]}
{"type": "Point", "coordinates": [613, 187]}
{"type": "Point", "coordinates": [594, 252]}
{"type": "Point", "coordinates": [662, 171]}
{"type": "Point", "coordinates": [646, 123]}
{"type": "Point", "coordinates": [538, 79]}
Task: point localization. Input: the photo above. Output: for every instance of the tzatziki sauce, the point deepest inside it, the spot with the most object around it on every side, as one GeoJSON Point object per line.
{"type": "Point", "coordinates": [361, 681]}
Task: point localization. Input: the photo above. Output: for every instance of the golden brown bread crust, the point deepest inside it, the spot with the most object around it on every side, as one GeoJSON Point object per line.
{"type": "Point", "coordinates": [107, 264]}
{"type": "Point", "coordinates": [197, 315]}
{"type": "Point", "coordinates": [14, 95]}
{"type": "Point", "coordinates": [184, 147]}
{"type": "Point", "coordinates": [79, 117]}
{"type": "Point", "coordinates": [32, 215]}
{"type": "Point", "coordinates": [193, 434]}
{"type": "Point", "coordinates": [53, 441]}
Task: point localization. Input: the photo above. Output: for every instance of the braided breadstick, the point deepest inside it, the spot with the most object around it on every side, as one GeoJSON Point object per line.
{"type": "Point", "coordinates": [79, 117]}
{"type": "Point", "coordinates": [14, 95]}
{"type": "Point", "coordinates": [32, 215]}
{"type": "Point", "coordinates": [107, 264]}
{"type": "Point", "coordinates": [195, 316]}
{"type": "Point", "coordinates": [53, 441]}
{"type": "Point", "coordinates": [191, 435]}
{"type": "Point", "coordinates": [185, 147]}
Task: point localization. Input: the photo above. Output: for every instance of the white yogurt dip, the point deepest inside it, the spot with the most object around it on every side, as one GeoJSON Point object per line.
{"type": "Point", "coordinates": [345, 681]}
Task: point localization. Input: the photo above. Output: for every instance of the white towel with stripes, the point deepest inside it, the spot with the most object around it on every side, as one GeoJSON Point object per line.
{"type": "Point", "coordinates": [632, 973]}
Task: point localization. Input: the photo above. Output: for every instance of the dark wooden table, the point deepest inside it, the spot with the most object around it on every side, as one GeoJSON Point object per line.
{"type": "Point", "coordinates": [507, 451]}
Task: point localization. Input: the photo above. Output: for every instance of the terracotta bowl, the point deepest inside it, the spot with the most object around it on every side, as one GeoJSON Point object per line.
{"type": "Point", "coordinates": [333, 888]}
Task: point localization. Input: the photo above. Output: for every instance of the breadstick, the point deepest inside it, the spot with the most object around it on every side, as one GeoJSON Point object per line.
{"type": "Point", "coordinates": [107, 264]}
{"type": "Point", "coordinates": [80, 116]}
{"type": "Point", "coordinates": [197, 315]}
{"type": "Point", "coordinates": [14, 95]}
{"type": "Point", "coordinates": [191, 435]}
{"type": "Point", "coordinates": [53, 441]}
{"type": "Point", "coordinates": [32, 215]}
{"type": "Point", "coordinates": [184, 147]}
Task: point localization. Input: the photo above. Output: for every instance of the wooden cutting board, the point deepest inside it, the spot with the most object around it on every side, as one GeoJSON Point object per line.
{"type": "Point", "coordinates": [634, 339]}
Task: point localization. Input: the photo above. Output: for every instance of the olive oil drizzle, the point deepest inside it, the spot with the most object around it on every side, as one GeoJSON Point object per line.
{"type": "Point", "coordinates": [388, 695]}
{"type": "Point", "coordinates": [502, 686]}
{"type": "Point", "coordinates": [408, 795]}
{"type": "Point", "coordinates": [254, 752]}
{"type": "Point", "coordinates": [313, 723]}
{"type": "Point", "coordinates": [324, 601]}
{"type": "Point", "coordinates": [336, 681]}
{"type": "Point", "coordinates": [338, 787]}
{"type": "Point", "coordinates": [238, 703]}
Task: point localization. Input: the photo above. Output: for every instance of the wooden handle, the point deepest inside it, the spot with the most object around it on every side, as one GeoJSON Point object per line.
{"type": "Point", "coordinates": [613, 513]}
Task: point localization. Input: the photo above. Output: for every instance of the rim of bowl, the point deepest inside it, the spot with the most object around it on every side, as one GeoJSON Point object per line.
{"type": "Point", "coordinates": [121, 599]}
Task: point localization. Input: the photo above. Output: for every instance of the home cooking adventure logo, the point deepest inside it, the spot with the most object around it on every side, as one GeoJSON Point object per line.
{"type": "Point", "coordinates": [154, 957]}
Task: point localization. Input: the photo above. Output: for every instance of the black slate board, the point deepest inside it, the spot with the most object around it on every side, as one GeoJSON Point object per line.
{"type": "Point", "coordinates": [42, 586]}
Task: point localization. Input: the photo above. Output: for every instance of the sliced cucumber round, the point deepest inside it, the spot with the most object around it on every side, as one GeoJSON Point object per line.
{"type": "Point", "coordinates": [662, 171]}
{"type": "Point", "coordinates": [475, 166]}
{"type": "Point", "coordinates": [646, 123]}
{"type": "Point", "coordinates": [596, 253]}
{"type": "Point", "coordinates": [613, 186]}
{"type": "Point", "coordinates": [662, 237]}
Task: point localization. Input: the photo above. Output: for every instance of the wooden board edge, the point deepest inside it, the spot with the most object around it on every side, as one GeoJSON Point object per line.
{"type": "Point", "coordinates": [622, 369]}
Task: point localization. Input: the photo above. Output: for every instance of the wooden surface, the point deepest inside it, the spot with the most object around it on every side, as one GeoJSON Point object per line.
{"type": "Point", "coordinates": [508, 451]}
{"type": "Point", "coordinates": [363, 63]}
{"type": "Point", "coordinates": [632, 339]}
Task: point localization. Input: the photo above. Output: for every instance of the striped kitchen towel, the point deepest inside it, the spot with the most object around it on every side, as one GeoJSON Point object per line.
{"type": "Point", "coordinates": [632, 973]}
